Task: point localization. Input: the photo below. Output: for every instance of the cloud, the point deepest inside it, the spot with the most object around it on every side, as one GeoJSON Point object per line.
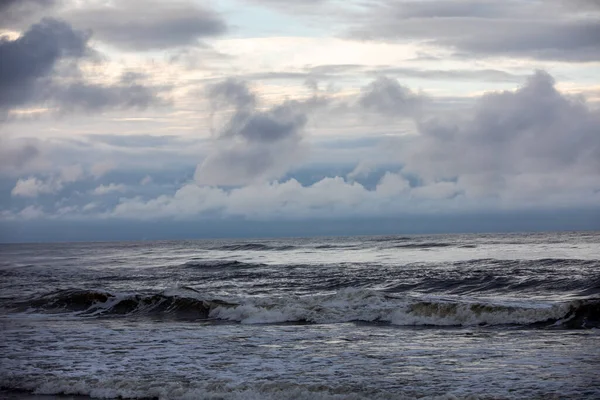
{"type": "Point", "coordinates": [487, 75]}
{"type": "Point", "coordinates": [535, 127]}
{"type": "Point", "coordinates": [110, 188]}
{"type": "Point", "coordinates": [133, 141]}
{"type": "Point", "coordinates": [102, 168]}
{"type": "Point", "coordinates": [14, 11]}
{"type": "Point", "coordinates": [82, 96]}
{"type": "Point", "coordinates": [252, 144]}
{"type": "Point", "coordinates": [522, 149]}
{"type": "Point", "coordinates": [150, 25]}
{"type": "Point", "coordinates": [232, 92]}
{"type": "Point", "coordinates": [31, 212]}
{"type": "Point", "coordinates": [31, 73]}
{"type": "Point", "coordinates": [386, 96]}
{"type": "Point", "coordinates": [16, 155]}
{"type": "Point", "coordinates": [30, 59]}
{"type": "Point", "coordinates": [71, 173]}
{"type": "Point", "coordinates": [516, 29]}
{"type": "Point", "coordinates": [306, 6]}
{"type": "Point", "coordinates": [33, 187]}
{"type": "Point", "coordinates": [535, 132]}
{"type": "Point", "coordinates": [529, 148]}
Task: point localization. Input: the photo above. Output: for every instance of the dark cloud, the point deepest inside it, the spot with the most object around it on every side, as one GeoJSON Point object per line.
{"type": "Point", "coordinates": [512, 28]}
{"type": "Point", "coordinates": [278, 123]}
{"type": "Point", "coordinates": [30, 73]}
{"type": "Point", "coordinates": [31, 58]}
{"type": "Point", "coordinates": [453, 8]}
{"type": "Point", "coordinates": [253, 143]}
{"type": "Point", "coordinates": [233, 92]}
{"type": "Point", "coordinates": [577, 41]}
{"type": "Point", "coordinates": [388, 97]}
{"type": "Point", "coordinates": [534, 139]}
{"type": "Point", "coordinates": [150, 25]}
{"type": "Point", "coordinates": [14, 11]}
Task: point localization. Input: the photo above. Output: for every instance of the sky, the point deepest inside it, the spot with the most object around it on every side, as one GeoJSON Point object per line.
{"type": "Point", "coordinates": [131, 119]}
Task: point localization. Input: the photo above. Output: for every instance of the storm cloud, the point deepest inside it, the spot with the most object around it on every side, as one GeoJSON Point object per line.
{"type": "Point", "coordinates": [542, 30]}
{"type": "Point", "coordinates": [252, 144]}
{"type": "Point", "coordinates": [150, 25]}
{"type": "Point", "coordinates": [27, 62]}
{"type": "Point", "coordinates": [13, 12]}
{"type": "Point", "coordinates": [518, 143]}
{"type": "Point", "coordinates": [388, 97]}
{"type": "Point", "coordinates": [30, 73]}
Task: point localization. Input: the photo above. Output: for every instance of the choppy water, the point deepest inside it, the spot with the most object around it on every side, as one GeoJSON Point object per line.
{"type": "Point", "coordinates": [489, 316]}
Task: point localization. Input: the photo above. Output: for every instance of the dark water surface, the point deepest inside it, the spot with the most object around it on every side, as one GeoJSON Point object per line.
{"type": "Point", "coordinates": [444, 316]}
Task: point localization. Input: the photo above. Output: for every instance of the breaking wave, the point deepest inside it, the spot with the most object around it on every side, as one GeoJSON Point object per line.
{"type": "Point", "coordinates": [253, 247]}
{"type": "Point", "coordinates": [183, 303]}
{"type": "Point", "coordinates": [422, 245]}
{"type": "Point", "coordinates": [349, 305]}
{"type": "Point", "coordinates": [219, 264]}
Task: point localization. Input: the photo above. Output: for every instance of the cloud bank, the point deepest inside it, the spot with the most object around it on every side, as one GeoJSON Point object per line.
{"type": "Point", "coordinates": [528, 148]}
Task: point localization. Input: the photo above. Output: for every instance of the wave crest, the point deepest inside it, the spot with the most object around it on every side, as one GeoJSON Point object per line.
{"type": "Point", "coordinates": [349, 305]}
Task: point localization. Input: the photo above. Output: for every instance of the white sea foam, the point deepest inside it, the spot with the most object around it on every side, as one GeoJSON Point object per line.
{"type": "Point", "coordinates": [370, 306]}
{"type": "Point", "coordinates": [133, 389]}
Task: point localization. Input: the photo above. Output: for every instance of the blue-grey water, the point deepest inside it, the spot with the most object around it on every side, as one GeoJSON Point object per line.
{"type": "Point", "coordinates": [396, 317]}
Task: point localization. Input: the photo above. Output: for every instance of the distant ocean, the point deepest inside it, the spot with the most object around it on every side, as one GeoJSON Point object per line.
{"type": "Point", "coordinates": [511, 316]}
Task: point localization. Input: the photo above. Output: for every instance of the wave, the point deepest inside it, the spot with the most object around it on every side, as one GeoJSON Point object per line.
{"type": "Point", "coordinates": [423, 245]}
{"type": "Point", "coordinates": [336, 246]}
{"type": "Point", "coordinates": [220, 264]}
{"type": "Point", "coordinates": [349, 305]}
{"type": "Point", "coordinates": [391, 239]}
{"type": "Point", "coordinates": [181, 304]}
{"type": "Point", "coordinates": [253, 247]}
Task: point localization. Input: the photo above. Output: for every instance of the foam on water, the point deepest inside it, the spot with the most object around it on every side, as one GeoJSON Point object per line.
{"type": "Point", "coordinates": [347, 305]}
{"type": "Point", "coordinates": [127, 389]}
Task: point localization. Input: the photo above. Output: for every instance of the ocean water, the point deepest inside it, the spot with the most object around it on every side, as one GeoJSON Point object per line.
{"type": "Point", "coordinates": [395, 317]}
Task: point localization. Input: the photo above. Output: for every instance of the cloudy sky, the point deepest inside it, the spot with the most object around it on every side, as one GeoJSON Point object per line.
{"type": "Point", "coordinates": [138, 119]}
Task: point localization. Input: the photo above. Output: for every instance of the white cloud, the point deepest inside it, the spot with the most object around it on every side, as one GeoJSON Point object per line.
{"type": "Point", "coordinates": [110, 188]}
{"type": "Point", "coordinates": [329, 197]}
{"type": "Point", "coordinates": [89, 207]}
{"type": "Point", "coordinates": [393, 185]}
{"type": "Point", "coordinates": [33, 187]}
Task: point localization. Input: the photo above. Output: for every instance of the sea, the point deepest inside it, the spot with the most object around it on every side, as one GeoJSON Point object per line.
{"type": "Point", "coordinates": [477, 316]}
